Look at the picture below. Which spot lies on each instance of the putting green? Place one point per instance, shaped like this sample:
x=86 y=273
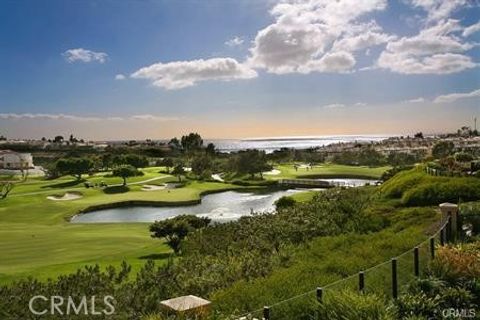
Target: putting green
x=325 y=170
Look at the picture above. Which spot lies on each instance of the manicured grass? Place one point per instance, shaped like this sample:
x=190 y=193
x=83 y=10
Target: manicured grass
x=327 y=170
x=36 y=238
x=304 y=196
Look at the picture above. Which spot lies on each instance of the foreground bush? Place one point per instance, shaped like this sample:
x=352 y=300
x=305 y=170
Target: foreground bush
x=457 y=263
x=351 y=305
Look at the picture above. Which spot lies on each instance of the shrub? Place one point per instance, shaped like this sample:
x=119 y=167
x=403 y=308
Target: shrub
x=285 y=202
x=351 y=305
x=452 y=190
x=470 y=215
x=419 y=304
x=457 y=263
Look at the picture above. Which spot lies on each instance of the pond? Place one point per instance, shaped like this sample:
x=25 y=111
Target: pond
x=220 y=207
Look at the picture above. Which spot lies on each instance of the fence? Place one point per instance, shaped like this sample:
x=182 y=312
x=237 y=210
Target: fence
x=386 y=278
x=443 y=173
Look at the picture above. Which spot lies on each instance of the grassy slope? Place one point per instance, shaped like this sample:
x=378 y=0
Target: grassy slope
x=36 y=239
x=315 y=266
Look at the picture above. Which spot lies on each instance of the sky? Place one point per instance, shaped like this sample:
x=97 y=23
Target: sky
x=112 y=70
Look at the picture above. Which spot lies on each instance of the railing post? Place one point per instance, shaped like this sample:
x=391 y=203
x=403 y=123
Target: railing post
x=432 y=248
x=416 y=262
x=448 y=230
x=266 y=313
x=361 y=281
x=319 y=294
x=442 y=237
x=394 y=279
x=451 y=210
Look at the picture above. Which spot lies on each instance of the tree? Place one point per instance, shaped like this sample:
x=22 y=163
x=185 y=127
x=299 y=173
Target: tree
x=5 y=189
x=442 y=149
x=167 y=163
x=178 y=171
x=135 y=161
x=174 y=143
x=252 y=162
x=418 y=135
x=176 y=229
x=463 y=157
x=210 y=149
x=58 y=139
x=106 y=160
x=201 y=164
x=193 y=141
x=74 y=166
x=124 y=172
x=72 y=139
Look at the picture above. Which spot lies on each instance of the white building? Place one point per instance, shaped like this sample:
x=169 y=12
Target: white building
x=15 y=160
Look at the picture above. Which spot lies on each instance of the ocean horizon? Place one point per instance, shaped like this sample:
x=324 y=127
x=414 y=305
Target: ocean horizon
x=270 y=144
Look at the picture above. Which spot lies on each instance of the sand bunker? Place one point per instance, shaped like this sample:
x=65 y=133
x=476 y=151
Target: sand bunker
x=217 y=177
x=273 y=172
x=65 y=197
x=152 y=187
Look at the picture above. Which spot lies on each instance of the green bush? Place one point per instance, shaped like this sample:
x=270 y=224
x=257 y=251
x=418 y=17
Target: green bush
x=285 y=202
x=433 y=193
x=351 y=305
x=419 y=304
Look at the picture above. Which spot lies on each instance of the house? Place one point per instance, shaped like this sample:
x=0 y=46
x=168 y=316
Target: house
x=15 y=160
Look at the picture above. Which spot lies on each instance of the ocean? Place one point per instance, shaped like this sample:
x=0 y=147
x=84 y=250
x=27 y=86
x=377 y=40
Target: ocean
x=271 y=144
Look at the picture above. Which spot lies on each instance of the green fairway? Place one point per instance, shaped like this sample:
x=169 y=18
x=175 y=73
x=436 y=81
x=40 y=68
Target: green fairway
x=326 y=170
x=36 y=238
x=304 y=196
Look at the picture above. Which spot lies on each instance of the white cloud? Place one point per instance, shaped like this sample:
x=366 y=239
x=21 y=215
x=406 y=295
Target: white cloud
x=415 y=100
x=435 y=50
x=334 y=106
x=84 y=55
x=360 y=104
x=341 y=105
x=362 y=36
x=448 y=98
x=468 y=31
x=61 y=116
x=438 y=9
x=120 y=77
x=152 y=117
x=339 y=62
x=234 y=42
x=181 y=74
x=301 y=38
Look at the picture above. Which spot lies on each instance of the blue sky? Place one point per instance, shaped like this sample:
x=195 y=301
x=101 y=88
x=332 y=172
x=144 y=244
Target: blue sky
x=156 y=69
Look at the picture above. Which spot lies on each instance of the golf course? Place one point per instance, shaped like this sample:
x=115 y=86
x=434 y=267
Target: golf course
x=37 y=239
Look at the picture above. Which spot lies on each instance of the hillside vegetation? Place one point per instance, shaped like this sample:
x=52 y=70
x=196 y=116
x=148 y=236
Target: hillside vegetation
x=417 y=188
